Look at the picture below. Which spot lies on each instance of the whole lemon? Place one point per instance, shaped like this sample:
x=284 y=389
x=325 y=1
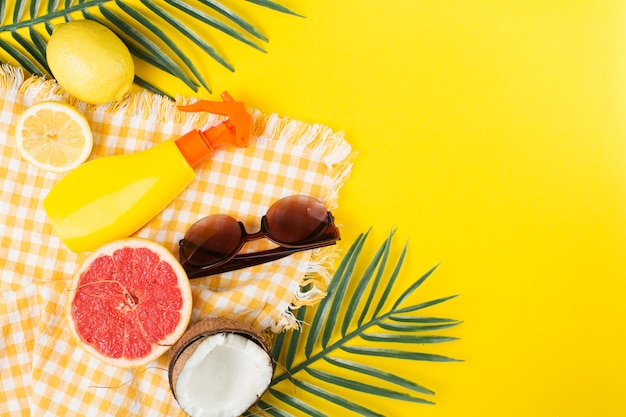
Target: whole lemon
x=90 y=61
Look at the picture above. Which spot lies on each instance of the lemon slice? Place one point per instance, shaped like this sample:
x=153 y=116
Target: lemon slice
x=53 y=136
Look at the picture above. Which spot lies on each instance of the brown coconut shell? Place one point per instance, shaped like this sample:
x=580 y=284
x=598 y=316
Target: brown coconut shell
x=197 y=332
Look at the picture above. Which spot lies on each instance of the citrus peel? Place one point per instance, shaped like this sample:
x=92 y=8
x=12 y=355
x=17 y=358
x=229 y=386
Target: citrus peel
x=90 y=61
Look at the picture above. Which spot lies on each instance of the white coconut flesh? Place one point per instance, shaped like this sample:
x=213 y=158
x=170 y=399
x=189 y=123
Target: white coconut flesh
x=223 y=377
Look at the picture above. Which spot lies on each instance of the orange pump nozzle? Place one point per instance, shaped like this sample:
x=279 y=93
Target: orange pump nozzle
x=197 y=145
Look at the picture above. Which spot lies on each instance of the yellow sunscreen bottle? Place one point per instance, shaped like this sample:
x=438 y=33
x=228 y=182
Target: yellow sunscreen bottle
x=112 y=197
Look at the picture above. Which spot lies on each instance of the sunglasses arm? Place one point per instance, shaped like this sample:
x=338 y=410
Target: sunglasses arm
x=247 y=260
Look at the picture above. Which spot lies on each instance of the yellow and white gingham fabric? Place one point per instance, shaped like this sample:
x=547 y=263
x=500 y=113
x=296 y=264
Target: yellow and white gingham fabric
x=43 y=371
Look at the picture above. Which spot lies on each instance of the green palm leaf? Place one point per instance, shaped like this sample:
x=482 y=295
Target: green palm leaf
x=147 y=27
x=355 y=323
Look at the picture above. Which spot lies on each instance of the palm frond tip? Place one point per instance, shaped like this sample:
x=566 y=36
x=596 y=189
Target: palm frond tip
x=25 y=29
x=354 y=324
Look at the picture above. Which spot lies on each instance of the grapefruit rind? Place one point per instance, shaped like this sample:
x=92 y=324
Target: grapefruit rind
x=158 y=347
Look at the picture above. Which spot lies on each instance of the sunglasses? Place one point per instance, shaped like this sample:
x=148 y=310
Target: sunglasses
x=296 y=223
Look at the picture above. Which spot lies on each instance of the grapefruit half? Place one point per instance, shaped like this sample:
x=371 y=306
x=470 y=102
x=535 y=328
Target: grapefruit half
x=129 y=302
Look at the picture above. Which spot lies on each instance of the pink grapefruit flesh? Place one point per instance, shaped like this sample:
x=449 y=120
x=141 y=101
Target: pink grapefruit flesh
x=130 y=302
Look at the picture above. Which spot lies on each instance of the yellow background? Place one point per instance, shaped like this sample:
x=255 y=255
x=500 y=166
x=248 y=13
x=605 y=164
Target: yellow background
x=492 y=134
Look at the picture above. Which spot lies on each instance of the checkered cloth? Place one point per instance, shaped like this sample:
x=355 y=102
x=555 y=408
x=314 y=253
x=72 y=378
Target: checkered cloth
x=43 y=370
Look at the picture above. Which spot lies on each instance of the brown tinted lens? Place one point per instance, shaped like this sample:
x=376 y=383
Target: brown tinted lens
x=296 y=219
x=211 y=240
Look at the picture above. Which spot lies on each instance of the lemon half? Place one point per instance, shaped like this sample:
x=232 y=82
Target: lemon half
x=53 y=136
x=90 y=61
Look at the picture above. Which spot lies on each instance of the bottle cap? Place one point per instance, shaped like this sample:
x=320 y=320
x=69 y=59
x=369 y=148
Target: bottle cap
x=236 y=130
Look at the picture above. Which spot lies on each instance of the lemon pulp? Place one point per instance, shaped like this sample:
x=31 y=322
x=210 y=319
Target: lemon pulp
x=53 y=136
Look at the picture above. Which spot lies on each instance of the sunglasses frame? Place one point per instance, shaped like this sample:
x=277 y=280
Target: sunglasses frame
x=234 y=260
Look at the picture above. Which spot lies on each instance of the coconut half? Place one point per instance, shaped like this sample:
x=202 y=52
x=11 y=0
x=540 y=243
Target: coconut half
x=219 y=367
